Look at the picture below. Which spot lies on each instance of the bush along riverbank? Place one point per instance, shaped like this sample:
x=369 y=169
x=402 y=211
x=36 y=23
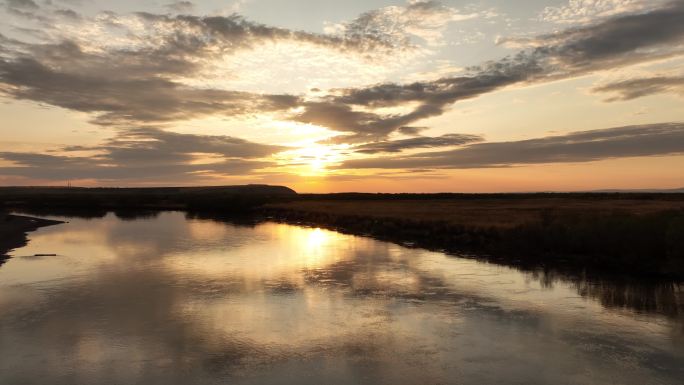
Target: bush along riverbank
x=648 y=244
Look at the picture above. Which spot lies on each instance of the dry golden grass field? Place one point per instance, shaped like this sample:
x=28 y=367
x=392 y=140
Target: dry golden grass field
x=502 y=213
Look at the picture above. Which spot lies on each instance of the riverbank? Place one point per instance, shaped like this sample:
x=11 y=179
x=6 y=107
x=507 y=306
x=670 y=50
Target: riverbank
x=634 y=233
x=625 y=235
x=14 y=229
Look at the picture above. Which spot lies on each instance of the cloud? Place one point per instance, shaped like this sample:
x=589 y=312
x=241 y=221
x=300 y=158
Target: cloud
x=136 y=73
x=145 y=153
x=612 y=43
x=583 y=11
x=188 y=34
x=21 y=4
x=136 y=68
x=147 y=44
x=583 y=146
x=620 y=40
x=148 y=144
x=27 y=9
x=617 y=41
x=411 y=130
x=419 y=142
x=637 y=88
x=180 y=6
x=336 y=112
x=227 y=33
x=60 y=168
x=130 y=99
x=395 y=25
x=485 y=78
x=68 y=14
x=363 y=126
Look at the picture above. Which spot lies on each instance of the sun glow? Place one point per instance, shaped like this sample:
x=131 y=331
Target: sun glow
x=313 y=159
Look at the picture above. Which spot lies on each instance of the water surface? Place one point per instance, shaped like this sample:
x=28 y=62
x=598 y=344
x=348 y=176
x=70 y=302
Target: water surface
x=173 y=300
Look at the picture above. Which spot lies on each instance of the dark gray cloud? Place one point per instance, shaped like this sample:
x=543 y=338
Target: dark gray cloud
x=619 y=39
x=144 y=153
x=337 y=112
x=637 y=88
x=125 y=100
x=584 y=146
x=486 y=78
x=148 y=144
x=366 y=126
x=59 y=168
x=411 y=130
x=418 y=142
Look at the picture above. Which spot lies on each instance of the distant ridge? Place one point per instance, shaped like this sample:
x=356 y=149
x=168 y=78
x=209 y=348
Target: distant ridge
x=664 y=191
x=223 y=199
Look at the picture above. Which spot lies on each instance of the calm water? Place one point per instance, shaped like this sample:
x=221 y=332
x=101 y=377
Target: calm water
x=170 y=300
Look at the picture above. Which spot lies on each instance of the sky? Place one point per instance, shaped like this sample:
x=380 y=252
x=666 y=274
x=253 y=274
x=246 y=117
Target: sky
x=331 y=96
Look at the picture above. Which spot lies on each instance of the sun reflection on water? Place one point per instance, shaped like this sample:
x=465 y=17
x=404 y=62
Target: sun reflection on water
x=225 y=302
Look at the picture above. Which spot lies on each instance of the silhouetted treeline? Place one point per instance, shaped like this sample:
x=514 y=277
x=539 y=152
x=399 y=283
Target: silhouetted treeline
x=218 y=199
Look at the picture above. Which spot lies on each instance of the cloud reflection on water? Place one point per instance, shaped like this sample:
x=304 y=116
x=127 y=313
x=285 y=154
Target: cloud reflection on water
x=176 y=300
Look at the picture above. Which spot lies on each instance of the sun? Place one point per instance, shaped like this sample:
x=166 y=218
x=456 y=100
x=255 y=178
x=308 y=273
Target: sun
x=319 y=157
x=312 y=159
x=315 y=159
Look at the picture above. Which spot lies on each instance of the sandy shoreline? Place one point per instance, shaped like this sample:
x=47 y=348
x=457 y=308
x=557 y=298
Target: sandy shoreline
x=14 y=229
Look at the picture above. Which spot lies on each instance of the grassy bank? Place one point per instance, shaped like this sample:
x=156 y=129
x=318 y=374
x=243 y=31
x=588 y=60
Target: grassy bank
x=13 y=230
x=637 y=234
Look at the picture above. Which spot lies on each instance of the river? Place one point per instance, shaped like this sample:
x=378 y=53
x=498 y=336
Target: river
x=174 y=299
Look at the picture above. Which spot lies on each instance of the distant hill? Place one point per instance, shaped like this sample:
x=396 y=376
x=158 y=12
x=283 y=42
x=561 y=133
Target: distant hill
x=259 y=189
